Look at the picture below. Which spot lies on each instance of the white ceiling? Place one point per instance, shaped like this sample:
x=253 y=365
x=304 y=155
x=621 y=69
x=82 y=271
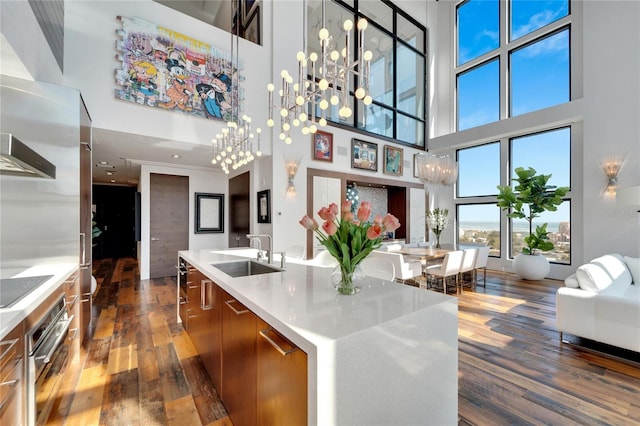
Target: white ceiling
x=124 y=153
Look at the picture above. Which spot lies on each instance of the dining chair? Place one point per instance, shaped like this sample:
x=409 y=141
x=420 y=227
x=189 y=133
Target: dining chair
x=468 y=265
x=481 y=263
x=379 y=268
x=295 y=252
x=450 y=267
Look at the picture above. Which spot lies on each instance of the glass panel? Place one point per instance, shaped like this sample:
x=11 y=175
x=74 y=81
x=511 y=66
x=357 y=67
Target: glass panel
x=410 y=82
x=540 y=74
x=479 y=170
x=381 y=77
x=478 y=29
x=479 y=96
x=529 y=15
x=335 y=15
x=410 y=130
x=547 y=152
x=378 y=12
x=558 y=227
x=376 y=119
x=410 y=33
x=480 y=224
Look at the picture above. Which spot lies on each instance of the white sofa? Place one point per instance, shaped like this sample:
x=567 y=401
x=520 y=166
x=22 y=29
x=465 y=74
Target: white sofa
x=601 y=302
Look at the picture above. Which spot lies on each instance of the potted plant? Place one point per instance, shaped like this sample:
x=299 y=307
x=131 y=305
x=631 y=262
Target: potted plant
x=531 y=197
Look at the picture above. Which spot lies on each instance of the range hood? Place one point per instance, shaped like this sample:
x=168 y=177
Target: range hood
x=18 y=159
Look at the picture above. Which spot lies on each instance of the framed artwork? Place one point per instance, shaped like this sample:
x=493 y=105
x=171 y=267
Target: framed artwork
x=252 y=27
x=322 y=146
x=364 y=155
x=209 y=213
x=264 y=206
x=415 y=166
x=248 y=7
x=393 y=158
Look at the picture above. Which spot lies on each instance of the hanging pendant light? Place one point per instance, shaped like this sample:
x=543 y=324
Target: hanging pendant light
x=236 y=144
x=321 y=81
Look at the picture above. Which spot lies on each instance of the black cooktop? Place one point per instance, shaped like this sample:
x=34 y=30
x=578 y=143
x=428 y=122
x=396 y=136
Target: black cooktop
x=14 y=289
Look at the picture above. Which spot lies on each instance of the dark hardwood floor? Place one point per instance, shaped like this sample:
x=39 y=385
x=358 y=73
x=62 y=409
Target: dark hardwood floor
x=140 y=368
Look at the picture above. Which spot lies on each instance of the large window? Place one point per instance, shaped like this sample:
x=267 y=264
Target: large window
x=397 y=72
x=498 y=77
x=512 y=58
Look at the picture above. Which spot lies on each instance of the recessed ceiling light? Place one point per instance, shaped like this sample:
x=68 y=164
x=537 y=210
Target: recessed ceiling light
x=103 y=162
x=110 y=173
x=113 y=181
x=176 y=156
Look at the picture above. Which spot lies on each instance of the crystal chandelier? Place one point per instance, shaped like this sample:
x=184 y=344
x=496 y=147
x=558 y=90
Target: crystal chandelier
x=234 y=146
x=321 y=81
x=436 y=172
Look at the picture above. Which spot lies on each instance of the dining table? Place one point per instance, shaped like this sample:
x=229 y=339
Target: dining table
x=424 y=253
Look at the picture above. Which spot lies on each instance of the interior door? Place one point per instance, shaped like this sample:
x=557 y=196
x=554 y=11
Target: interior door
x=169 y=222
x=239 y=210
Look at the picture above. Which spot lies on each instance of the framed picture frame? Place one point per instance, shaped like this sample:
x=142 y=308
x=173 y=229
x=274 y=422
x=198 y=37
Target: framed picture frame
x=209 y=213
x=393 y=158
x=322 y=146
x=415 y=166
x=248 y=8
x=364 y=155
x=252 y=27
x=264 y=206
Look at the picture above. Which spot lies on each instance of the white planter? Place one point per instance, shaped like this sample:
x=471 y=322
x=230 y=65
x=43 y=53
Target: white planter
x=531 y=267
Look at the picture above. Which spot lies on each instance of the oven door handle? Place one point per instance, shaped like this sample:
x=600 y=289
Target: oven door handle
x=58 y=342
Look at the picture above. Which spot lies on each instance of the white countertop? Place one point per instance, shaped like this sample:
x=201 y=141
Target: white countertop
x=11 y=316
x=302 y=299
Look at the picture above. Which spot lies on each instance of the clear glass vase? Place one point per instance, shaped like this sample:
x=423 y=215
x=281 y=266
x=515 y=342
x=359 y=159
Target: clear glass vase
x=347 y=282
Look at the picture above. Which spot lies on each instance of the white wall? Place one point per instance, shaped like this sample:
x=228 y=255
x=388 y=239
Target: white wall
x=90 y=64
x=199 y=181
x=605 y=113
x=31 y=56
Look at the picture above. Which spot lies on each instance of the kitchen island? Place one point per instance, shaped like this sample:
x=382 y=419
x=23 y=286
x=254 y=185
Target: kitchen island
x=388 y=355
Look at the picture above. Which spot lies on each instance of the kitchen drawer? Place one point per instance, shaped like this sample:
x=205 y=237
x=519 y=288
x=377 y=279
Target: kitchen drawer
x=12 y=378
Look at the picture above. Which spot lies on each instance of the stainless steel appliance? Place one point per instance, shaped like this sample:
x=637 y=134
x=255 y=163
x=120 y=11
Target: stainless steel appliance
x=14 y=289
x=182 y=290
x=48 y=355
x=18 y=159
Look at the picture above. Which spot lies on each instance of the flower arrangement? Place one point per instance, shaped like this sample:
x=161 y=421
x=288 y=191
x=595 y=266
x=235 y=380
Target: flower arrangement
x=437 y=222
x=348 y=238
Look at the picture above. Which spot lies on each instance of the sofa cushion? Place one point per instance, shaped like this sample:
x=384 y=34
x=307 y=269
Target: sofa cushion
x=571 y=281
x=633 y=264
x=592 y=277
x=615 y=267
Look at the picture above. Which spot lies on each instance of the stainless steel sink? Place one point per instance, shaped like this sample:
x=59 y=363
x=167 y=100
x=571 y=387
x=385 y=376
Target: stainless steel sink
x=244 y=268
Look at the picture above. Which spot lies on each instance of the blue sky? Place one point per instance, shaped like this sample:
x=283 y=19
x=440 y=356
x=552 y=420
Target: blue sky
x=539 y=75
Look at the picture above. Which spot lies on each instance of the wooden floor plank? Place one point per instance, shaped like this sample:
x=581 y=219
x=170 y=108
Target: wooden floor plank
x=513 y=369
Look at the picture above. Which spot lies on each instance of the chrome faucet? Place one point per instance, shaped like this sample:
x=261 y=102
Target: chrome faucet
x=257 y=237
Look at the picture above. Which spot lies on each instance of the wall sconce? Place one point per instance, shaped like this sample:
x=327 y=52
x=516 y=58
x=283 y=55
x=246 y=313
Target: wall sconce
x=292 y=169
x=611 y=167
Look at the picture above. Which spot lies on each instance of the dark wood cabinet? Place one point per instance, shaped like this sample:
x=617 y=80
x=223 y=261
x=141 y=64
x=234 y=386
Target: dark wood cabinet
x=12 y=378
x=281 y=379
x=239 y=362
x=260 y=376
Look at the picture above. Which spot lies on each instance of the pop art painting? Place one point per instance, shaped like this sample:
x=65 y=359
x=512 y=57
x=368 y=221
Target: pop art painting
x=164 y=69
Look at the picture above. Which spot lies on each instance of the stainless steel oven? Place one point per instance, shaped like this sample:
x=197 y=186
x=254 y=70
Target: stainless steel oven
x=48 y=355
x=182 y=290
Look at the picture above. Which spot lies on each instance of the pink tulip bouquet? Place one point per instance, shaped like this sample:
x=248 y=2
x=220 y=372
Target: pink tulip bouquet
x=347 y=238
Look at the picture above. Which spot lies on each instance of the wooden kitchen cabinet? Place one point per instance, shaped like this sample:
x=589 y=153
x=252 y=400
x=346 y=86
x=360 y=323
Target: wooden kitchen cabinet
x=13 y=378
x=281 y=379
x=239 y=362
x=71 y=288
x=210 y=322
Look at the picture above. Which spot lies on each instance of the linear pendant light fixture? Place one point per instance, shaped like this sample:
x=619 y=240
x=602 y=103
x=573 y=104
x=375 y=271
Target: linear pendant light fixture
x=322 y=81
